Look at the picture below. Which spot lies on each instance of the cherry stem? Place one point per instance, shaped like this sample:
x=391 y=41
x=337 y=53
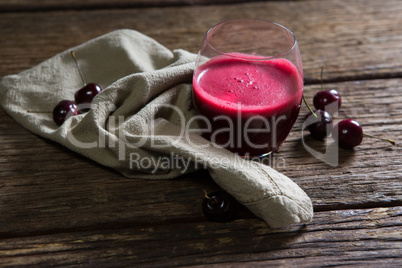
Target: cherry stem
x=213 y=200
x=206 y=195
x=79 y=70
x=378 y=138
x=322 y=83
x=322 y=88
x=308 y=106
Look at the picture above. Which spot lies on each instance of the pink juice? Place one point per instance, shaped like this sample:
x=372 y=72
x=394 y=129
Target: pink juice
x=250 y=105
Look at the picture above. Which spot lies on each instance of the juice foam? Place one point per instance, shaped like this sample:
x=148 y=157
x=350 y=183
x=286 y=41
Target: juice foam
x=239 y=87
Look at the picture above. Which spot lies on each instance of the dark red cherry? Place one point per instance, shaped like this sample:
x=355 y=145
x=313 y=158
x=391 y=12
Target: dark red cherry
x=64 y=110
x=320 y=126
x=85 y=95
x=348 y=133
x=327 y=100
x=219 y=206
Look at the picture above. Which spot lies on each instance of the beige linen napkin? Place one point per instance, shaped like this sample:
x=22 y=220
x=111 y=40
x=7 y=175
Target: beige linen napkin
x=141 y=124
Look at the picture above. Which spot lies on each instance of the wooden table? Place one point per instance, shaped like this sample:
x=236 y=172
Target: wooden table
x=59 y=208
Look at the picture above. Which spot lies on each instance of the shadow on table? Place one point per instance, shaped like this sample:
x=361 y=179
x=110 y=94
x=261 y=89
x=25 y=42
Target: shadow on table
x=326 y=151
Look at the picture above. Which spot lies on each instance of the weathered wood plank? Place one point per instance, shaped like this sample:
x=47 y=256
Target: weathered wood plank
x=364 y=238
x=354 y=40
x=58 y=208
x=360 y=172
x=46 y=188
x=27 y=5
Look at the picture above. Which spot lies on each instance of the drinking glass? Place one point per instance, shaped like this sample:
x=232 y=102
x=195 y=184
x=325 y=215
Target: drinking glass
x=248 y=85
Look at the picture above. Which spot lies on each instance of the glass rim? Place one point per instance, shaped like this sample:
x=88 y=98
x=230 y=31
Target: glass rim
x=259 y=58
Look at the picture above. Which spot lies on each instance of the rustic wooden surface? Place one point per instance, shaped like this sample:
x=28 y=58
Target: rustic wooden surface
x=24 y=5
x=58 y=208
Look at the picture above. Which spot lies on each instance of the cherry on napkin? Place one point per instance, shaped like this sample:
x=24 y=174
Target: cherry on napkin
x=141 y=123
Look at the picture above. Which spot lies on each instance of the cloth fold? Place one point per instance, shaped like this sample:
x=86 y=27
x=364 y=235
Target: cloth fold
x=142 y=123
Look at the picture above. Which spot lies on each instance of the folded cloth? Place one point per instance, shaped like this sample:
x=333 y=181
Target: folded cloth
x=142 y=124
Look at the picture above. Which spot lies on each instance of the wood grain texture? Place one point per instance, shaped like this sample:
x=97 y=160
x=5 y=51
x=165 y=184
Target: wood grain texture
x=27 y=5
x=355 y=238
x=47 y=187
x=355 y=41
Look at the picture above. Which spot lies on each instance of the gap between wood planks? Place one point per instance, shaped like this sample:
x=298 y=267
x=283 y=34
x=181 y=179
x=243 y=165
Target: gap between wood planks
x=102 y=5
x=314 y=81
x=115 y=225
x=368 y=205
x=191 y=220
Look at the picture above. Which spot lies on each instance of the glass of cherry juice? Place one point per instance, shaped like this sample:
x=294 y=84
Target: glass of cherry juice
x=248 y=85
